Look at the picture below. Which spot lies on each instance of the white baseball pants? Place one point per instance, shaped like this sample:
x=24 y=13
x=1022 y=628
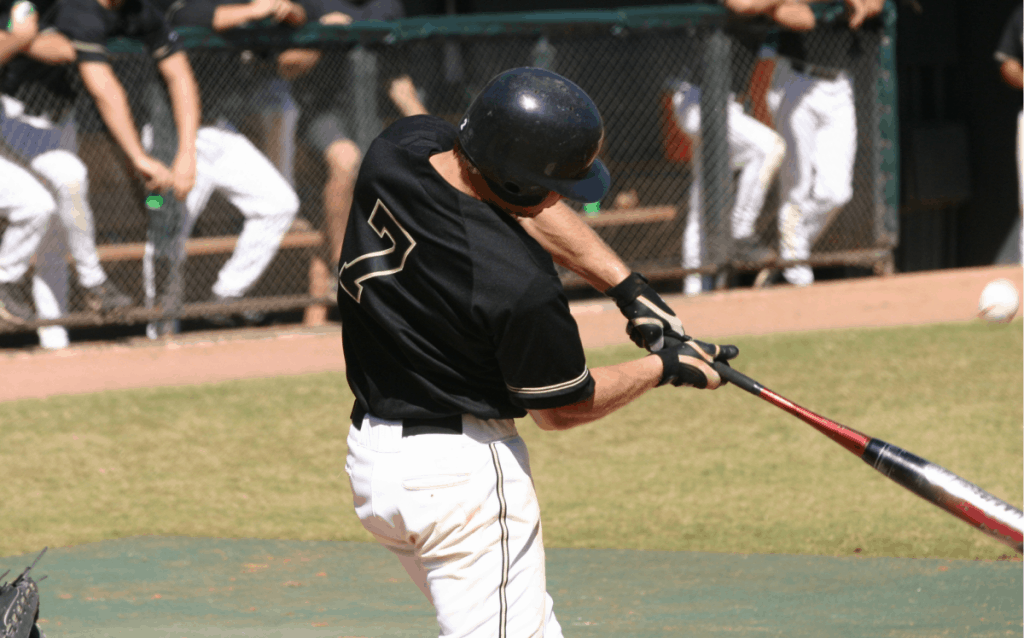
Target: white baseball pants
x=461 y=514
x=755 y=150
x=228 y=162
x=818 y=120
x=1020 y=180
x=28 y=206
x=70 y=230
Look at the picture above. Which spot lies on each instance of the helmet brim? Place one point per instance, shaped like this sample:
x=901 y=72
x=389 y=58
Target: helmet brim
x=592 y=187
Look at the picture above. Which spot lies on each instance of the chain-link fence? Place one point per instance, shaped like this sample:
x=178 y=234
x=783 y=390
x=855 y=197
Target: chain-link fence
x=703 y=142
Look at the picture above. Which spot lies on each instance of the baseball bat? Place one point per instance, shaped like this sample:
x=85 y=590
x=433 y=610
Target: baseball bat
x=935 y=484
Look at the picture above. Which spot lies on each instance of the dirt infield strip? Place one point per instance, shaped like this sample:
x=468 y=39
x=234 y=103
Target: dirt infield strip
x=950 y=295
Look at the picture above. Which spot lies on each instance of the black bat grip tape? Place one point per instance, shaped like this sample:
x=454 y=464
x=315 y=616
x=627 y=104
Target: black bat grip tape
x=737 y=378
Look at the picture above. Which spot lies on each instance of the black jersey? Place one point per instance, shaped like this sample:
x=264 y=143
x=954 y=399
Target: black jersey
x=1011 y=43
x=43 y=89
x=228 y=86
x=89 y=26
x=447 y=305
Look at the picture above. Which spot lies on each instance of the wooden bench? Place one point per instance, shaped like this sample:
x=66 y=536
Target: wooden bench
x=301 y=235
x=624 y=216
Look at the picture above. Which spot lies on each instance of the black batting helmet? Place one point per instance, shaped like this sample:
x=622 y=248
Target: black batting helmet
x=530 y=132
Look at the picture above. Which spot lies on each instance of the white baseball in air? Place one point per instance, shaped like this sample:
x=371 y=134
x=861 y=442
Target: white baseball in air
x=999 y=301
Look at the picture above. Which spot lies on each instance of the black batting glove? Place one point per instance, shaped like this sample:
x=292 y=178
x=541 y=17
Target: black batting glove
x=649 y=319
x=689 y=363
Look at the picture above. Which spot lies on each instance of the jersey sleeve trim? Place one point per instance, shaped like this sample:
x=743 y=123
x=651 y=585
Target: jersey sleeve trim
x=557 y=388
x=90 y=51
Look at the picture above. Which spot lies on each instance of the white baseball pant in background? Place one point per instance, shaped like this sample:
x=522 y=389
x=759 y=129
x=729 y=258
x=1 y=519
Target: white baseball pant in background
x=461 y=514
x=70 y=230
x=818 y=121
x=1020 y=180
x=228 y=162
x=28 y=206
x=755 y=150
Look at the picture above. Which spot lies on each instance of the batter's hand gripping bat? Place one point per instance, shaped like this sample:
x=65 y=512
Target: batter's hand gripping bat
x=935 y=484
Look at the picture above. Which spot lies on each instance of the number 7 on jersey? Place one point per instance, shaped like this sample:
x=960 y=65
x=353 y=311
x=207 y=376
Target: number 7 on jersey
x=396 y=242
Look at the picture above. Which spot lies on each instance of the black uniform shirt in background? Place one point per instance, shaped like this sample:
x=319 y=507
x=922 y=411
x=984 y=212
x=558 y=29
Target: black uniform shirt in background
x=1010 y=43
x=42 y=88
x=447 y=305
x=89 y=26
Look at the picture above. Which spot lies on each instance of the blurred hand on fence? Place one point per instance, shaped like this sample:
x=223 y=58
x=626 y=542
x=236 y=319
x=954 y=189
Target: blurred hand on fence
x=155 y=174
x=290 y=13
x=861 y=10
x=336 y=17
x=264 y=9
x=795 y=16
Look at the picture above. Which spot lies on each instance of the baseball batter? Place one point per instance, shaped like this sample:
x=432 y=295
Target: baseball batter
x=455 y=323
x=226 y=161
x=40 y=134
x=1010 y=55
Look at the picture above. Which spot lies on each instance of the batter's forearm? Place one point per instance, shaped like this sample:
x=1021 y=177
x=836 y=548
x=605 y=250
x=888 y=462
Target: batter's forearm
x=574 y=245
x=614 y=387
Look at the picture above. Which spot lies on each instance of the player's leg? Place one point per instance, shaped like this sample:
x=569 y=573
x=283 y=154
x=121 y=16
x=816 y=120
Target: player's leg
x=1020 y=180
x=269 y=204
x=50 y=285
x=280 y=121
x=195 y=203
x=68 y=177
x=756 y=151
x=686 y=108
x=835 y=148
x=28 y=206
x=469 y=533
x=693 y=241
x=329 y=134
x=796 y=123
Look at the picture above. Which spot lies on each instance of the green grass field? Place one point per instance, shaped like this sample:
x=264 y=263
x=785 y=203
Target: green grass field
x=678 y=470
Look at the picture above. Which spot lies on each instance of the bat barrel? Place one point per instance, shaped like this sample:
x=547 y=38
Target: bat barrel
x=959 y=497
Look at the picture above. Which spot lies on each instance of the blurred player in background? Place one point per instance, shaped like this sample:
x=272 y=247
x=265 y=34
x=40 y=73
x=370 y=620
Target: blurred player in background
x=755 y=150
x=227 y=161
x=24 y=201
x=812 y=102
x=77 y=31
x=340 y=123
x=1009 y=54
x=38 y=129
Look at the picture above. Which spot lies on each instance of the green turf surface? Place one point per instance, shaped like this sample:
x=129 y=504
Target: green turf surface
x=189 y=588
x=678 y=470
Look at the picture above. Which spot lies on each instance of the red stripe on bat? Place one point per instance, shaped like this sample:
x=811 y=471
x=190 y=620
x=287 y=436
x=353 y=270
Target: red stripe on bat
x=978 y=518
x=849 y=438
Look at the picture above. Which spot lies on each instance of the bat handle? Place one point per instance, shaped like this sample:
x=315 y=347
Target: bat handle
x=737 y=378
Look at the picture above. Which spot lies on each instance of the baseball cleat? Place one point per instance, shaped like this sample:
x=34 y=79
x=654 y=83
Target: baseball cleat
x=747 y=251
x=106 y=299
x=12 y=309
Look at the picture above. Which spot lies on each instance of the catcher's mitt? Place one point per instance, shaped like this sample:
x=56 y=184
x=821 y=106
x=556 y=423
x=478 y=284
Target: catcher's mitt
x=19 y=605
